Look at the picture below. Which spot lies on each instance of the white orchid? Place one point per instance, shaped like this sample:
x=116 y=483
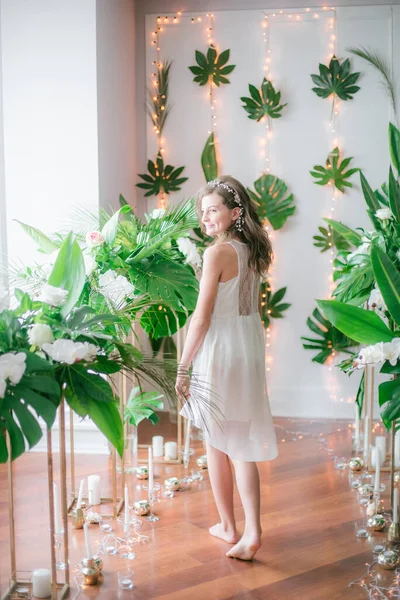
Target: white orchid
x=189 y=249
x=377 y=353
x=40 y=334
x=12 y=367
x=3 y=387
x=54 y=296
x=392 y=351
x=70 y=352
x=115 y=287
x=376 y=300
x=384 y=214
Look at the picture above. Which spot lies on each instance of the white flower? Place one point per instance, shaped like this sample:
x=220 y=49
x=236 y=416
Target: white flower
x=53 y=295
x=70 y=352
x=376 y=300
x=3 y=386
x=94 y=238
x=3 y=299
x=392 y=351
x=12 y=366
x=398 y=254
x=157 y=213
x=40 y=334
x=189 y=249
x=115 y=287
x=362 y=249
x=383 y=213
x=90 y=264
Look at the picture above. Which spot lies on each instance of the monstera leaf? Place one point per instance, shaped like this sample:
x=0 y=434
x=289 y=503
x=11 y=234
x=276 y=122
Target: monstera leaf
x=336 y=80
x=330 y=238
x=209 y=159
x=37 y=392
x=160 y=321
x=211 y=68
x=142 y=405
x=334 y=171
x=273 y=204
x=161 y=178
x=272 y=306
x=329 y=338
x=263 y=103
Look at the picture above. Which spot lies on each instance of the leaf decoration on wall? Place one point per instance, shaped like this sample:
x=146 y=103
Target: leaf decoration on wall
x=336 y=80
x=161 y=178
x=212 y=67
x=157 y=98
x=329 y=239
x=328 y=340
x=263 y=102
x=334 y=172
x=271 y=199
x=272 y=306
x=209 y=159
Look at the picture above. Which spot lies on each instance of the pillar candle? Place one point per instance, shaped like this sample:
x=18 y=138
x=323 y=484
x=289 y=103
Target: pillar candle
x=380 y=443
x=357 y=428
x=366 y=438
x=187 y=438
x=158 y=445
x=377 y=469
x=171 y=450
x=94 y=489
x=57 y=510
x=151 y=477
x=87 y=540
x=41 y=583
x=395 y=505
x=79 y=501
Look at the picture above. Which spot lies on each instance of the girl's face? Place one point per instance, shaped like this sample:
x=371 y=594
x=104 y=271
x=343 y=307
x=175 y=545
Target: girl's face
x=215 y=215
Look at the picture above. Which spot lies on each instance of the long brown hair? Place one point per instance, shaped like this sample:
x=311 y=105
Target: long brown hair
x=253 y=233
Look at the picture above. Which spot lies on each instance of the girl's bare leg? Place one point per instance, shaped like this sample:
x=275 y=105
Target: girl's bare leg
x=221 y=478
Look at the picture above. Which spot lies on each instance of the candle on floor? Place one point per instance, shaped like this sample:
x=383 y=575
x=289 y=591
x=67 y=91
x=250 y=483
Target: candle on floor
x=94 y=489
x=187 y=438
x=171 y=450
x=57 y=510
x=41 y=583
x=380 y=443
x=158 y=445
x=80 y=495
x=151 y=476
x=377 y=470
x=87 y=540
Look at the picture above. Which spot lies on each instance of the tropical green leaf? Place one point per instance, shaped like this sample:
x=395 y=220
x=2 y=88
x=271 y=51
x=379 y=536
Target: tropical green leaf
x=360 y=394
x=160 y=321
x=162 y=178
x=364 y=326
x=349 y=234
x=329 y=238
x=388 y=279
x=265 y=102
x=335 y=80
x=394 y=195
x=211 y=68
x=157 y=98
x=209 y=159
x=271 y=199
x=334 y=172
x=142 y=405
x=272 y=306
x=389 y=398
x=394 y=146
x=109 y=231
x=69 y=272
x=44 y=242
x=329 y=339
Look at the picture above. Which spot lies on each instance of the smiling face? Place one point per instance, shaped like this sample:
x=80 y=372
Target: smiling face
x=215 y=215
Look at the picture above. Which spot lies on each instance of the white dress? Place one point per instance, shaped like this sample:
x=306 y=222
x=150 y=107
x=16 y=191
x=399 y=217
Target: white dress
x=231 y=365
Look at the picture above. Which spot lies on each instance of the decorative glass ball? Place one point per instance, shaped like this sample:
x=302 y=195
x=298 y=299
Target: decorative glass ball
x=202 y=461
x=356 y=463
x=388 y=559
x=376 y=522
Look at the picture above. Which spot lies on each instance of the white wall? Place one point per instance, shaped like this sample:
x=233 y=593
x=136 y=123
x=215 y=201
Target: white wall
x=301 y=139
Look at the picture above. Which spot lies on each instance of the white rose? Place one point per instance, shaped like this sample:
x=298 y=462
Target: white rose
x=90 y=264
x=383 y=213
x=70 y=352
x=40 y=334
x=115 y=287
x=362 y=249
x=3 y=386
x=107 y=277
x=189 y=249
x=53 y=295
x=391 y=351
x=376 y=300
x=94 y=238
x=157 y=213
x=12 y=366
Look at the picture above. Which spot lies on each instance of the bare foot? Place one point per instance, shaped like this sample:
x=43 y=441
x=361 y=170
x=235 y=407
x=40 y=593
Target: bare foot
x=228 y=535
x=245 y=549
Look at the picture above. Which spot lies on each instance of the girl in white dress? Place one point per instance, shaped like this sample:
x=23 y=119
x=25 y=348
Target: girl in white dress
x=225 y=342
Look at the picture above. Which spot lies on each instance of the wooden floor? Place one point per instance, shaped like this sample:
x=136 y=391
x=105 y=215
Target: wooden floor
x=309 y=548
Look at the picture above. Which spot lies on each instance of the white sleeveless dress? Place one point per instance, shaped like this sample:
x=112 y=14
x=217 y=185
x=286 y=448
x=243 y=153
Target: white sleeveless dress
x=231 y=363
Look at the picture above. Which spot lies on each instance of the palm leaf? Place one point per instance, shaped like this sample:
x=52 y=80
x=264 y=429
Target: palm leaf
x=161 y=178
x=211 y=68
x=271 y=199
x=348 y=234
x=335 y=80
x=264 y=102
x=209 y=159
x=334 y=172
x=272 y=306
x=157 y=98
x=44 y=243
x=329 y=238
x=329 y=339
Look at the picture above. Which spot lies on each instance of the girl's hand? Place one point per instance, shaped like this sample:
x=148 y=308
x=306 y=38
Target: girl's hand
x=182 y=384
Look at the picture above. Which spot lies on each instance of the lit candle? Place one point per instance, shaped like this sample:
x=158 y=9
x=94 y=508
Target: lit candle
x=79 y=501
x=158 y=445
x=366 y=439
x=94 y=489
x=357 y=428
x=57 y=511
x=171 y=450
x=187 y=438
x=380 y=443
x=377 y=469
x=126 y=522
x=87 y=540
x=151 y=477
x=395 y=505
x=41 y=583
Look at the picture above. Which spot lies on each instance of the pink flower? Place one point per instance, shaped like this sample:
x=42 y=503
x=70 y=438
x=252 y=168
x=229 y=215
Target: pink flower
x=94 y=238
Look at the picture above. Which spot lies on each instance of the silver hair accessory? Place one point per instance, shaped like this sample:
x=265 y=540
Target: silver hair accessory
x=240 y=220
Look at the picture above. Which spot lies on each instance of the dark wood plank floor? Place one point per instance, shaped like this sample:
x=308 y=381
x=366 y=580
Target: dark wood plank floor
x=309 y=548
